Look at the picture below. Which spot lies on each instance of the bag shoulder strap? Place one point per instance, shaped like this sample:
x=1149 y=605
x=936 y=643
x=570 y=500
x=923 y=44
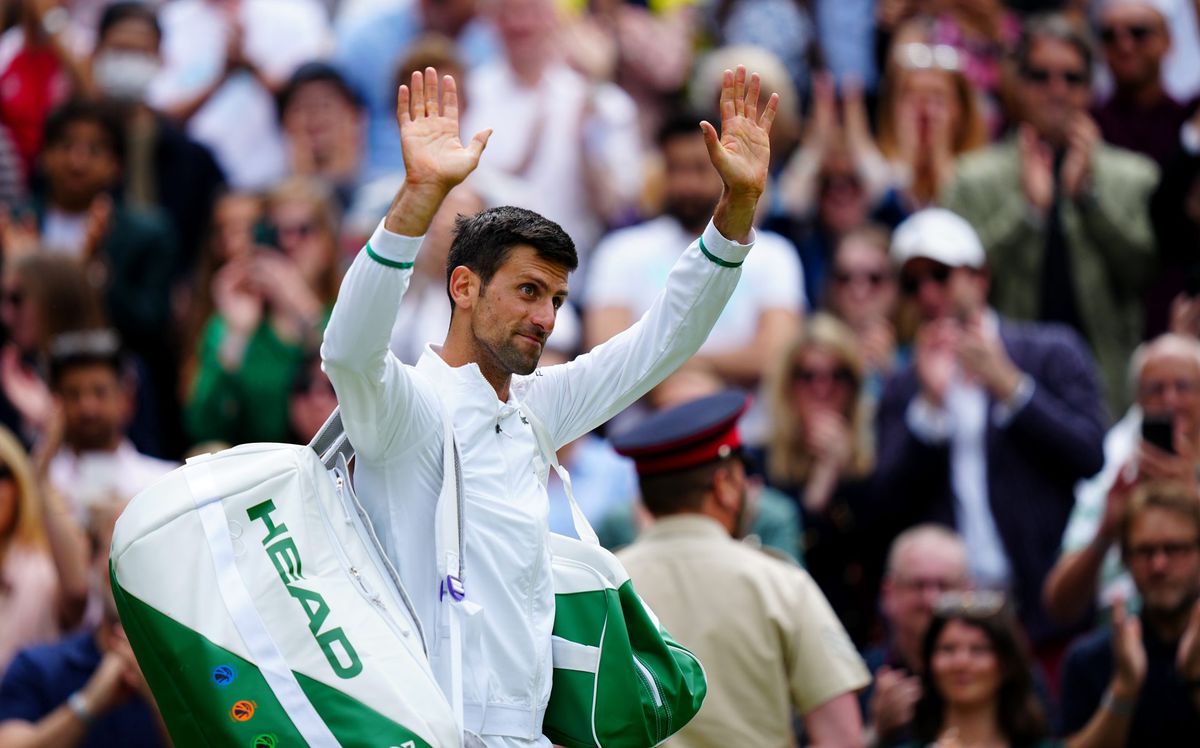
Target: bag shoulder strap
x=331 y=441
x=583 y=528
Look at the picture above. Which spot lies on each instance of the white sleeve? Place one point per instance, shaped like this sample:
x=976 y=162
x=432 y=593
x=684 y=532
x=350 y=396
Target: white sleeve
x=384 y=409
x=576 y=397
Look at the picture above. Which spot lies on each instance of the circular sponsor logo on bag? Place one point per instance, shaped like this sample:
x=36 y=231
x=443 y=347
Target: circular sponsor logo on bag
x=266 y=740
x=242 y=711
x=223 y=675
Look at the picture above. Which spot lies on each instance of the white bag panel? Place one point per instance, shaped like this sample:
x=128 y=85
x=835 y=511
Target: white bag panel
x=161 y=523
x=569 y=554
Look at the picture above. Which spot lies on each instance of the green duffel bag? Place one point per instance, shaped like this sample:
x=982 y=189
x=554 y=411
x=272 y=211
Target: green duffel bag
x=620 y=680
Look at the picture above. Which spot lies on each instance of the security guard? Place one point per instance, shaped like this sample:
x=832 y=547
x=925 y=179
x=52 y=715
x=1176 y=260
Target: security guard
x=768 y=639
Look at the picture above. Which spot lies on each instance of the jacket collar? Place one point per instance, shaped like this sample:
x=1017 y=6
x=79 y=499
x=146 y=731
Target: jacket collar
x=686 y=525
x=463 y=385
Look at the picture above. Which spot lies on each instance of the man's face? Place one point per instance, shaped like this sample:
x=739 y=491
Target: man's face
x=1163 y=556
x=942 y=292
x=80 y=165
x=526 y=28
x=317 y=113
x=515 y=311
x=693 y=186
x=447 y=16
x=1135 y=41
x=1054 y=88
x=925 y=570
x=95 y=406
x=1170 y=384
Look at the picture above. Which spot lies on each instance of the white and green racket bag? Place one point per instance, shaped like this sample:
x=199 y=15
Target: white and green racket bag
x=262 y=611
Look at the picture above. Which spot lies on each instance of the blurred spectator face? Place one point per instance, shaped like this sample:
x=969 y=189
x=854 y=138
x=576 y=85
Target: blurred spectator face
x=1135 y=41
x=842 y=203
x=435 y=250
x=1170 y=384
x=19 y=313
x=526 y=28
x=1054 y=87
x=940 y=291
x=80 y=165
x=923 y=570
x=863 y=285
x=311 y=402
x=447 y=16
x=318 y=111
x=964 y=665
x=303 y=237
x=127 y=60
x=932 y=95
x=820 y=380
x=1162 y=552
x=693 y=186
x=234 y=219
x=96 y=407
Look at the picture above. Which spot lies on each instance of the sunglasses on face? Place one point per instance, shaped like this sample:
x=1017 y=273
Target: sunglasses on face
x=910 y=283
x=806 y=376
x=1043 y=76
x=874 y=277
x=1136 y=32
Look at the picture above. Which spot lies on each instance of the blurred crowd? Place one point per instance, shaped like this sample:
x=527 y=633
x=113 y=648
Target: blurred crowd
x=969 y=322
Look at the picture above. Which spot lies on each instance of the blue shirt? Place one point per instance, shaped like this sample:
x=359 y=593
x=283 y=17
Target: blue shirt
x=40 y=679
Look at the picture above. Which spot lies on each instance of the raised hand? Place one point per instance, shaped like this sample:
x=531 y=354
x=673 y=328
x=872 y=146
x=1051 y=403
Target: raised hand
x=1187 y=657
x=435 y=159
x=433 y=152
x=1037 y=169
x=742 y=151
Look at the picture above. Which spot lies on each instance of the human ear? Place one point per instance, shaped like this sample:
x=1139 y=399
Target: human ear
x=464 y=287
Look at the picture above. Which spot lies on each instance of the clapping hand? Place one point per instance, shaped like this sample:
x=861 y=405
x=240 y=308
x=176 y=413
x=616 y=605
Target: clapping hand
x=741 y=152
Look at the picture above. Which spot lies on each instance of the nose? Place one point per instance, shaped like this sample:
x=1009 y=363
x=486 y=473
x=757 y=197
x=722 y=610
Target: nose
x=544 y=315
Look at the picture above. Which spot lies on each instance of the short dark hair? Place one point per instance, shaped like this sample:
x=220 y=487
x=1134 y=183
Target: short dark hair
x=1055 y=27
x=82 y=348
x=483 y=241
x=98 y=113
x=1021 y=718
x=682 y=490
x=128 y=10
x=679 y=123
x=316 y=72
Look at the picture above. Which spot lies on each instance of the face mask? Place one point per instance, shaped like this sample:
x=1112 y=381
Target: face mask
x=125 y=76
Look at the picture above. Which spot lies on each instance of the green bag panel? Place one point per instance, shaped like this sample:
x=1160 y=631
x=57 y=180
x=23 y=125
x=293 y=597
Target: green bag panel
x=646 y=687
x=219 y=698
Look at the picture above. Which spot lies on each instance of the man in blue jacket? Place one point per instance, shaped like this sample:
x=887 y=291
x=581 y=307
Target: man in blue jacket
x=991 y=426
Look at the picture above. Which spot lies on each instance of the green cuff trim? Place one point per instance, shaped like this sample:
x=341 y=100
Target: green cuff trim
x=709 y=255
x=386 y=262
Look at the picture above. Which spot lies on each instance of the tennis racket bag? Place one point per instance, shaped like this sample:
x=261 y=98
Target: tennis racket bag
x=263 y=612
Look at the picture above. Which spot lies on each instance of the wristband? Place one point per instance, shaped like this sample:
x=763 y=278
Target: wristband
x=78 y=705
x=1118 y=705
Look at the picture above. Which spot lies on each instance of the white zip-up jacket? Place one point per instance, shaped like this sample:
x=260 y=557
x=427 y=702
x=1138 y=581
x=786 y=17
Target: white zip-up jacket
x=391 y=415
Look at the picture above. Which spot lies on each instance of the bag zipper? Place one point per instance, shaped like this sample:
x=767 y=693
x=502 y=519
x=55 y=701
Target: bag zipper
x=351 y=570
x=383 y=565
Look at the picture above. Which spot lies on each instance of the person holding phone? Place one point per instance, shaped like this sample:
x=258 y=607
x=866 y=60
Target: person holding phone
x=991 y=426
x=1157 y=440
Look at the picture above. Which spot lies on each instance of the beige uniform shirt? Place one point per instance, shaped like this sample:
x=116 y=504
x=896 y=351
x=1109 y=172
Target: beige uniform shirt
x=767 y=638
